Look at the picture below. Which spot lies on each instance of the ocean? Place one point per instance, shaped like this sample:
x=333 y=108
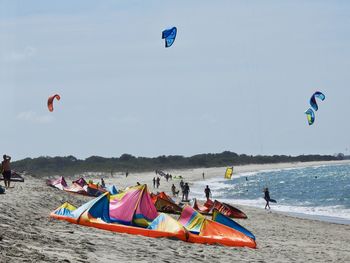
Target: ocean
x=320 y=192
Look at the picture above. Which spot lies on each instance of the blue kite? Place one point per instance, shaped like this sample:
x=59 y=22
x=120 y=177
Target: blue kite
x=169 y=35
x=313 y=102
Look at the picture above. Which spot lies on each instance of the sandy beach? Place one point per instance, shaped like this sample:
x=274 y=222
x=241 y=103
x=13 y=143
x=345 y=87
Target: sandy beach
x=27 y=234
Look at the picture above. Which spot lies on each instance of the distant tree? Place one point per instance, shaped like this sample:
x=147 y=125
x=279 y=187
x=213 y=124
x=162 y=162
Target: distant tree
x=126 y=157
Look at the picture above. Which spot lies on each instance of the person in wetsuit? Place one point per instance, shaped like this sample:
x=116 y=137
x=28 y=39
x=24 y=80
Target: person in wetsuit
x=267 y=197
x=207 y=192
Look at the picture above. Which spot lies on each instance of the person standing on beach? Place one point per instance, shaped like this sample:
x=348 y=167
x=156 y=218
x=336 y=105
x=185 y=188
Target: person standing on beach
x=203 y=175
x=173 y=189
x=6 y=170
x=267 y=197
x=158 y=182
x=154 y=182
x=182 y=185
x=185 y=192
x=126 y=174
x=103 y=183
x=207 y=192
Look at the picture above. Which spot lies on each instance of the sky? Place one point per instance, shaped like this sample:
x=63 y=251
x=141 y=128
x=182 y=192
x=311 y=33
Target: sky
x=238 y=77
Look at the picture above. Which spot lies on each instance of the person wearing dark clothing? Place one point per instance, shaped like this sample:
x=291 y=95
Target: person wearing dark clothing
x=6 y=170
x=185 y=192
x=173 y=190
x=267 y=197
x=182 y=185
x=158 y=182
x=203 y=175
x=154 y=182
x=103 y=183
x=126 y=174
x=207 y=192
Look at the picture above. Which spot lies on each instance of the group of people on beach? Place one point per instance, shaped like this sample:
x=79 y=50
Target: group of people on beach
x=156 y=182
x=185 y=189
x=184 y=186
x=167 y=176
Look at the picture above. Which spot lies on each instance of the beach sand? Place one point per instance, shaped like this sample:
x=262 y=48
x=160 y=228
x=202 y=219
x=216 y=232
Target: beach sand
x=27 y=234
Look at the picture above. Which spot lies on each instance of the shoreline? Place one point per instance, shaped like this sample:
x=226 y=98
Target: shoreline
x=249 y=170
x=321 y=218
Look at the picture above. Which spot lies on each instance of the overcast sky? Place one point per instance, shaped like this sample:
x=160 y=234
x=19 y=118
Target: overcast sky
x=238 y=77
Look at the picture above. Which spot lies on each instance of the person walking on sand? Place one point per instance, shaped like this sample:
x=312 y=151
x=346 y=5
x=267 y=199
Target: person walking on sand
x=158 y=182
x=207 y=192
x=267 y=197
x=154 y=182
x=6 y=170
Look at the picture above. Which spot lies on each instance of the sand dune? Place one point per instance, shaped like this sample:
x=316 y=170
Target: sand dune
x=27 y=234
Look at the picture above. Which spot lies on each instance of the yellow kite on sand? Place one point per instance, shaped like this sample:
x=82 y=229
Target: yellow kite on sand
x=229 y=172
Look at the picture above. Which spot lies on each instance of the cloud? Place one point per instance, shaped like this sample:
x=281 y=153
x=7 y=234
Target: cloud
x=32 y=116
x=20 y=55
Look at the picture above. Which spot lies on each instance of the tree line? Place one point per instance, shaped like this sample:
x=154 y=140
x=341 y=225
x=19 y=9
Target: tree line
x=70 y=165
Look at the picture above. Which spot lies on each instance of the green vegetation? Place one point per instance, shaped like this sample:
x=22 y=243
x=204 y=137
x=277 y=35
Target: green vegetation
x=70 y=165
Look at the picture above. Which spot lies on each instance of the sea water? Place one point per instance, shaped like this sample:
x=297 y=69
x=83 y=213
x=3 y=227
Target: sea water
x=320 y=192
